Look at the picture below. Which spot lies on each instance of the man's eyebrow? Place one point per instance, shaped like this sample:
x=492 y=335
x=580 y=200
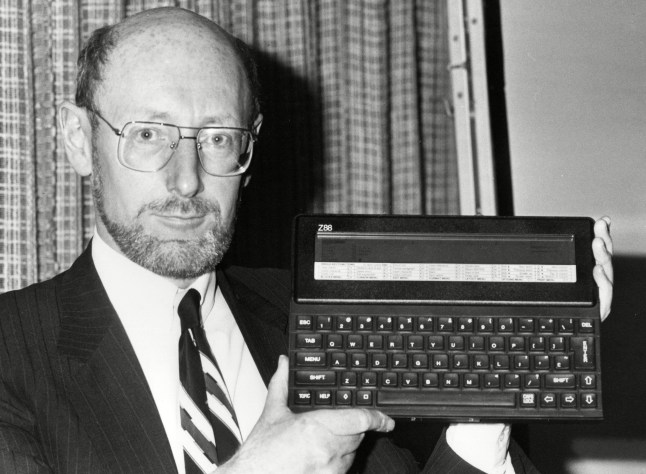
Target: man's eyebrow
x=165 y=117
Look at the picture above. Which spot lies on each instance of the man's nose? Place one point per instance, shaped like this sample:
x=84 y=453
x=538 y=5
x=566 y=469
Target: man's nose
x=184 y=171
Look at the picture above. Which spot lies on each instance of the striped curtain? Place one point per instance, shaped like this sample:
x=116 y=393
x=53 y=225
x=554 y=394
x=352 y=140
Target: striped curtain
x=354 y=95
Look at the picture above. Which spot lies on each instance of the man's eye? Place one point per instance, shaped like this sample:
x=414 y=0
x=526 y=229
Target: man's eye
x=147 y=134
x=219 y=140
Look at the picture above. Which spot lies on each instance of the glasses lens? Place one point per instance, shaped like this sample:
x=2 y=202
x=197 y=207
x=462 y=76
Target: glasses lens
x=147 y=146
x=225 y=152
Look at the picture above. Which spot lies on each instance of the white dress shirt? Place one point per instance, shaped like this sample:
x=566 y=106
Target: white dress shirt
x=147 y=307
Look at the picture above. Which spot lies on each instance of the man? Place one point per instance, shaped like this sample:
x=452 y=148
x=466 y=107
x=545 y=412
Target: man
x=89 y=361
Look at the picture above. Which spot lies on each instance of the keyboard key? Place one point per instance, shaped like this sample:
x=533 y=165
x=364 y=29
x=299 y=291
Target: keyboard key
x=323 y=397
x=424 y=324
x=517 y=344
x=568 y=400
x=586 y=326
x=315 y=377
x=460 y=361
x=501 y=362
x=384 y=323
x=491 y=381
x=525 y=324
x=335 y=341
x=359 y=360
x=349 y=379
x=557 y=344
x=588 y=381
x=537 y=344
x=485 y=324
x=343 y=397
x=395 y=342
x=528 y=400
x=369 y=379
x=379 y=361
x=338 y=359
x=584 y=352
x=324 y=323
x=497 y=343
x=430 y=380
x=560 y=381
x=409 y=379
x=548 y=400
x=344 y=323
x=562 y=362
x=309 y=341
x=415 y=343
x=566 y=326
x=450 y=380
x=364 y=323
x=541 y=362
x=588 y=400
x=532 y=381
x=546 y=325
x=505 y=325
x=436 y=343
x=456 y=343
x=404 y=323
x=375 y=342
x=310 y=359
x=389 y=379
x=465 y=325
x=445 y=398
x=420 y=361
x=445 y=324
x=302 y=397
x=440 y=361
x=480 y=362
x=365 y=397
x=476 y=343
x=304 y=323
x=512 y=380
x=354 y=341
x=471 y=381
x=398 y=361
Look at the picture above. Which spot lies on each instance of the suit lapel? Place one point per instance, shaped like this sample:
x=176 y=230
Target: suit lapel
x=262 y=323
x=106 y=385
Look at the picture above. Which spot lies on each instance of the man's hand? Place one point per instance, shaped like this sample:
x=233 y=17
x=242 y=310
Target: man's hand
x=603 y=272
x=317 y=441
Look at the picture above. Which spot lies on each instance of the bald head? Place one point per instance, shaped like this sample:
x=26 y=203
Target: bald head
x=166 y=34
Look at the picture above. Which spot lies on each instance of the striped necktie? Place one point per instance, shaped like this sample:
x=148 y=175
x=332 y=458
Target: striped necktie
x=210 y=433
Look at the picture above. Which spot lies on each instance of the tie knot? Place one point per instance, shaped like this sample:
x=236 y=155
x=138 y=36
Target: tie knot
x=189 y=309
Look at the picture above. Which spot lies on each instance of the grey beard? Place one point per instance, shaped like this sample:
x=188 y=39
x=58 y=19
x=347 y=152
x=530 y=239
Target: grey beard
x=178 y=258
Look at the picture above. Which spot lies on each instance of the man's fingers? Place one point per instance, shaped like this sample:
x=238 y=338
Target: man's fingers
x=605 y=291
x=354 y=421
x=602 y=231
x=277 y=389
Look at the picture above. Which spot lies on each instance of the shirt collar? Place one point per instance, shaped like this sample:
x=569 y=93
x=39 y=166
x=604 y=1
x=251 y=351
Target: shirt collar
x=131 y=282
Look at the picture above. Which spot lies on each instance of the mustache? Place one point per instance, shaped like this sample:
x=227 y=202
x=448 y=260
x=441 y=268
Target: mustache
x=177 y=205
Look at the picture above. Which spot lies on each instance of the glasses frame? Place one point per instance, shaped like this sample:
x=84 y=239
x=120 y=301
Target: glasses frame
x=119 y=133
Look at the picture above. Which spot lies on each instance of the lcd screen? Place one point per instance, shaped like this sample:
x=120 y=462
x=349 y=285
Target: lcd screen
x=507 y=258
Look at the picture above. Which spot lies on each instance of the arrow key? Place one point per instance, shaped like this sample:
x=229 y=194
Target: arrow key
x=588 y=400
x=568 y=400
x=548 y=400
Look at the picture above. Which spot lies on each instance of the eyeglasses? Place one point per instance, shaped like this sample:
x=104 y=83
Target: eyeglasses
x=149 y=146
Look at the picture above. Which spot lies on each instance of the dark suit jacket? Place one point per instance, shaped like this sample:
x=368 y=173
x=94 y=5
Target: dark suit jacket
x=73 y=397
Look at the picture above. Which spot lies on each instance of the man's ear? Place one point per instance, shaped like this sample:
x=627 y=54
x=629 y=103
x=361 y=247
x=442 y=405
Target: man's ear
x=77 y=137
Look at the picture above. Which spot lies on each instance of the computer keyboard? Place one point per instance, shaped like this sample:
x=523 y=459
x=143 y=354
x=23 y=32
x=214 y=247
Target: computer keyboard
x=439 y=364
x=449 y=318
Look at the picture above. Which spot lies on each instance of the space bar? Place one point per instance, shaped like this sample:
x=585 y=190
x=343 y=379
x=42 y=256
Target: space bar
x=394 y=398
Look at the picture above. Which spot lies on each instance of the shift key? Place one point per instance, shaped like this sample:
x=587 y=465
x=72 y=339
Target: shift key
x=584 y=352
x=315 y=377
